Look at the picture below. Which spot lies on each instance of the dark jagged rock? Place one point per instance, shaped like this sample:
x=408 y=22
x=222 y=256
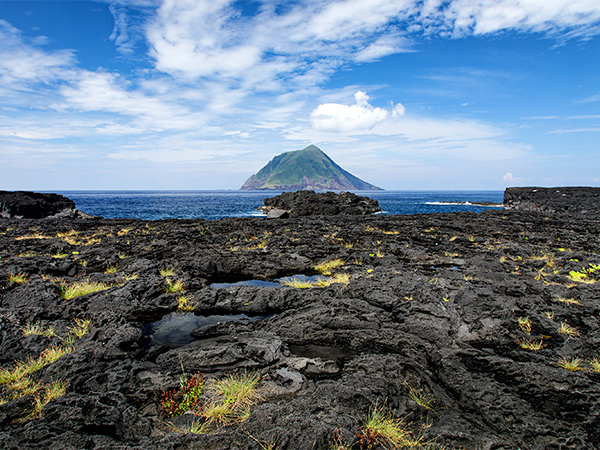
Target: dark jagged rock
x=430 y=326
x=572 y=199
x=310 y=203
x=35 y=205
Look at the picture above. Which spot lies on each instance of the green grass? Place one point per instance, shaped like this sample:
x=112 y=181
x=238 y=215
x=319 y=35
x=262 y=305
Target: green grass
x=174 y=286
x=167 y=272
x=36 y=329
x=534 y=345
x=60 y=254
x=81 y=328
x=382 y=428
x=525 y=324
x=567 y=329
x=111 y=269
x=50 y=392
x=595 y=365
x=68 y=291
x=343 y=278
x=573 y=364
x=326 y=267
x=184 y=303
x=31 y=365
x=18 y=278
x=233 y=398
x=420 y=398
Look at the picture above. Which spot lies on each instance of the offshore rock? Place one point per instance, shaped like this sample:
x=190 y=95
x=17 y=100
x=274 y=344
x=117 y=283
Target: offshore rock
x=572 y=199
x=34 y=205
x=310 y=203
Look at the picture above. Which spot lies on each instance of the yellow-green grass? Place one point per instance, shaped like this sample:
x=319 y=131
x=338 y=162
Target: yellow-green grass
x=525 y=324
x=31 y=365
x=68 y=291
x=233 y=397
x=572 y=364
x=174 y=286
x=60 y=254
x=569 y=301
x=382 y=428
x=326 y=267
x=167 y=272
x=50 y=392
x=343 y=278
x=567 y=329
x=536 y=344
x=595 y=365
x=18 y=278
x=184 y=303
x=420 y=398
x=81 y=327
x=37 y=329
x=111 y=269
x=35 y=235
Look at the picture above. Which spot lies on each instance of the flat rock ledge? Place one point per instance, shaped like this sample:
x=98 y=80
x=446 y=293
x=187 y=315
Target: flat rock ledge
x=309 y=203
x=571 y=199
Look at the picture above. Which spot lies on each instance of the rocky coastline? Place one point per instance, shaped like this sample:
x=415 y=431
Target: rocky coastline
x=467 y=331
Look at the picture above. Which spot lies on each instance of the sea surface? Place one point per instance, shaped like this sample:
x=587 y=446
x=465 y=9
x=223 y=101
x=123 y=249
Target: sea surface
x=213 y=205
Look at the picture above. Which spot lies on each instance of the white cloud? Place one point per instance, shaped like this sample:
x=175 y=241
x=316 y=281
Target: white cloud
x=510 y=179
x=335 y=117
x=23 y=63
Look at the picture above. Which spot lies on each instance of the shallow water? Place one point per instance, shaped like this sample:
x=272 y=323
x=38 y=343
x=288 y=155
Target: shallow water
x=174 y=329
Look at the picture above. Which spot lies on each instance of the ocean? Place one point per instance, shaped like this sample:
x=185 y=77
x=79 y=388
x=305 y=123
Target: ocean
x=214 y=205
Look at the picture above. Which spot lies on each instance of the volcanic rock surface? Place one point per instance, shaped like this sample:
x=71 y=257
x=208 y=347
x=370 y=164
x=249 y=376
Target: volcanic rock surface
x=35 y=205
x=310 y=203
x=571 y=199
x=428 y=325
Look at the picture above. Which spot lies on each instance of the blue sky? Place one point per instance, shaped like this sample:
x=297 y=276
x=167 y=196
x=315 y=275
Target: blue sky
x=193 y=94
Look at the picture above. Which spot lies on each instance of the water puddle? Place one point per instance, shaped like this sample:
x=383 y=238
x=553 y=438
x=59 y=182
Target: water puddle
x=279 y=282
x=174 y=329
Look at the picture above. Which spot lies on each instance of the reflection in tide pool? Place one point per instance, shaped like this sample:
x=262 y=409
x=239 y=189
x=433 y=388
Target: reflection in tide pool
x=174 y=329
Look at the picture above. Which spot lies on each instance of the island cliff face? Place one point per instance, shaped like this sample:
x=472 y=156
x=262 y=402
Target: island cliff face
x=307 y=169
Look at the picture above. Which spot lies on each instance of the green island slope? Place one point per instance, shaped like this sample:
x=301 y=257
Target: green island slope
x=307 y=169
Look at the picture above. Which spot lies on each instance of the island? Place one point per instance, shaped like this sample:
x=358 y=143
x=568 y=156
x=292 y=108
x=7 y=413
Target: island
x=307 y=169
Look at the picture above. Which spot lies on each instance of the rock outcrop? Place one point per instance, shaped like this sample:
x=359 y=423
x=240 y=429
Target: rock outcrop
x=579 y=200
x=310 y=203
x=35 y=205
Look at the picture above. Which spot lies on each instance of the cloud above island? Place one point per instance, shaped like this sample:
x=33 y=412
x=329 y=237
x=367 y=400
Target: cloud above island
x=337 y=118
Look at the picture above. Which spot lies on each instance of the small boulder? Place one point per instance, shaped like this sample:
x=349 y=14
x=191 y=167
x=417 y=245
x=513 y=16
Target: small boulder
x=278 y=214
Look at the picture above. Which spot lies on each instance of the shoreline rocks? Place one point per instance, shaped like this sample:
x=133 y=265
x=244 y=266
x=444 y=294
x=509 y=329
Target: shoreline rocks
x=35 y=205
x=310 y=203
x=432 y=317
x=571 y=200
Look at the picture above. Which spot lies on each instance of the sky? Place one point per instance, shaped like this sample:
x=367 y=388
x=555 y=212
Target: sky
x=197 y=95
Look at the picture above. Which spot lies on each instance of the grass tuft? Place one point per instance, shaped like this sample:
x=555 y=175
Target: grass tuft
x=68 y=291
x=326 y=267
x=184 y=303
x=595 y=365
x=526 y=344
x=18 y=278
x=37 y=329
x=81 y=328
x=567 y=329
x=174 y=286
x=525 y=324
x=573 y=364
x=167 y=272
